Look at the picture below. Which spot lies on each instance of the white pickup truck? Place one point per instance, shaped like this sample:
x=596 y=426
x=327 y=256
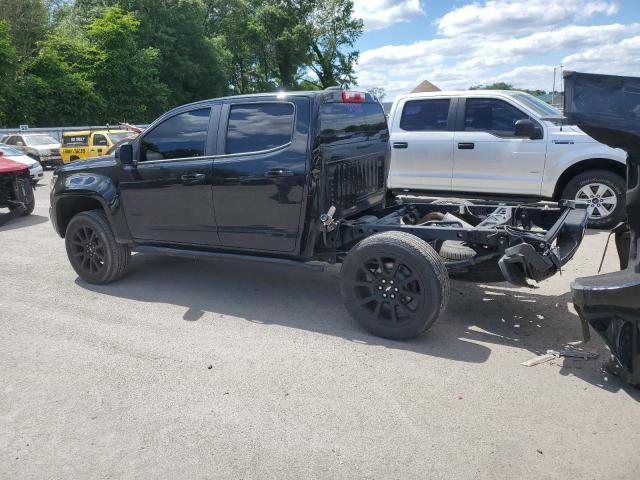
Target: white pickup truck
x=493 y=144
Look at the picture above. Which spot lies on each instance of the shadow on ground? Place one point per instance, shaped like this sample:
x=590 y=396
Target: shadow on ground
x=270 y=294
x=9 y=222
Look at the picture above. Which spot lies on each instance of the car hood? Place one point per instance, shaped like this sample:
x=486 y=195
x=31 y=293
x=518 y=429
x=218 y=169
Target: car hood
x=88 y=164
x=52 y=146
x=28 y=161
x=8 y=166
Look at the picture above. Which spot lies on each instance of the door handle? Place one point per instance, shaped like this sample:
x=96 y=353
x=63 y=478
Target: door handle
x=193 y=178
x=466 y=146
x=280 y=172
x=400 y=145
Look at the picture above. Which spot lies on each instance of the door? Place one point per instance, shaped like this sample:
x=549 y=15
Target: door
x=488 y=158
x=422 y=145
x=259 y=174
x=167 y=195
x=99 y=145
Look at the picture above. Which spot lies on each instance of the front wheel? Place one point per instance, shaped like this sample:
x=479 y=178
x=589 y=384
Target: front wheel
x=24 y=194
x=604 y=194
x=92 y=248
x=394 y=284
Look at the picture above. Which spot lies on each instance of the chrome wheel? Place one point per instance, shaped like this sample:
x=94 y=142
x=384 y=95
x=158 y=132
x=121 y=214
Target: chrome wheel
x=601 y=200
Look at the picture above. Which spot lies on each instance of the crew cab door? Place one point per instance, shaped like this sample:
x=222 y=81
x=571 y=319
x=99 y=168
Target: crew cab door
x=167 y=195
x=422 y=144
x=488 y=158
x=259 y=172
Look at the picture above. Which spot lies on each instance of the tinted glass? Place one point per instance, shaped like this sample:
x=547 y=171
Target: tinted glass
x=118 y=136
x=100 y=140
x=181 y=136
x=10 y=140
x=491 y=115
x=259 y=126
x=75 y=139
x=352 y=122
x=425 y=115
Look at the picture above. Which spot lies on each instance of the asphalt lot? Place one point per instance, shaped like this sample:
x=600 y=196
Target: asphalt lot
x=114 y=381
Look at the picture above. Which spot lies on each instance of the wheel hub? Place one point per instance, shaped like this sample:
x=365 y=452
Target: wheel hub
x=600 y=199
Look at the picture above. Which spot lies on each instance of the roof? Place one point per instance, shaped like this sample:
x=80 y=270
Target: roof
x=88 y=132
x=425 y=86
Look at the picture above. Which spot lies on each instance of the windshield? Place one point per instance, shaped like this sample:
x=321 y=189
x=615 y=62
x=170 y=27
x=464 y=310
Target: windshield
x=9 y=152
x=116 y=137
x=541 y=108
x=40 y=140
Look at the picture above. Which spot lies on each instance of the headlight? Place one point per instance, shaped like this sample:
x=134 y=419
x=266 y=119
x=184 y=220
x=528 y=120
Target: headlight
x=54 y=179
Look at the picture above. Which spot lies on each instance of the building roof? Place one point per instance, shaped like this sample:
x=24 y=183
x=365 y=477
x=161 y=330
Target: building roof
x=425 y=86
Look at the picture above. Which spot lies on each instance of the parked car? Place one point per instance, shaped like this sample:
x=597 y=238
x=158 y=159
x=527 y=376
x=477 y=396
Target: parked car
x=89 y=143
x=16 y=192
x=291 y=178
x=35 y=169
x=39 y=146
x=482 y=143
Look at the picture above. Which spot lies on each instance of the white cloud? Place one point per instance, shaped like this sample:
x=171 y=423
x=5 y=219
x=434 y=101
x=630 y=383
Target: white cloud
x=505 y=17
x=621 y=58
x=382 y=13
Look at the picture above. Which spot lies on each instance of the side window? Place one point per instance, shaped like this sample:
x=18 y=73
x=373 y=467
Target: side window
x=100 y=140
x=425 y=115
x=254 y=127
x=10 y=141
x=491 y=115
x=181 y=136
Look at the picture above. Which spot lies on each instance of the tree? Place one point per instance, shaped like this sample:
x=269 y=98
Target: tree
x=125 y=76
x=378 y=92
x=28 y=23
x=8 y=70
x=333 y=35
x=508 y=86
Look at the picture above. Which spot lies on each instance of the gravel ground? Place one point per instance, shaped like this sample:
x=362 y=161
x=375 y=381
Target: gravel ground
x=216 y=369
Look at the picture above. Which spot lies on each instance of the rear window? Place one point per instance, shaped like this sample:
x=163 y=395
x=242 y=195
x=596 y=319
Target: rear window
x=254 y=127
x=352 y=122
x=425 y=115
x=75 y=140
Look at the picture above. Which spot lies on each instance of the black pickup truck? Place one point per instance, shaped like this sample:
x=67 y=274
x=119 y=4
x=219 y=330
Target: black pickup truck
x=299 y=178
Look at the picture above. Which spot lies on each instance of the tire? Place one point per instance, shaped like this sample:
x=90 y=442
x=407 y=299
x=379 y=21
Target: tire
x=92 y=248
x=25 y=195
x=586 y=187
x=394 y=285
x=487 y=271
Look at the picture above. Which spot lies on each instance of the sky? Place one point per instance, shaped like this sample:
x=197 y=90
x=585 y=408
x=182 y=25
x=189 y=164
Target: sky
x=456 y=44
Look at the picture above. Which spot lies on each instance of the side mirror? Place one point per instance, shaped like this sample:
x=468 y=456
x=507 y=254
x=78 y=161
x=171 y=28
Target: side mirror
x=19 y=144
x=125 y=154
x=525 y=128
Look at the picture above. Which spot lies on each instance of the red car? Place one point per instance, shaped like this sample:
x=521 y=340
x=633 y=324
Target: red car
x=16 y=192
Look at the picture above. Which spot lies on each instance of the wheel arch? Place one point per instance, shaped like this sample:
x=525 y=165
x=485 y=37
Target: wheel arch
x=584 y=166
x=69 y=206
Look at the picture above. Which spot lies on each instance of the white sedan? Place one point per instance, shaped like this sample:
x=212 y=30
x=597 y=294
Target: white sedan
x=35 y=169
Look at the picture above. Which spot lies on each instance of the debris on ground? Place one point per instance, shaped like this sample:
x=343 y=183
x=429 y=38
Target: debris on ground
x=552 y=354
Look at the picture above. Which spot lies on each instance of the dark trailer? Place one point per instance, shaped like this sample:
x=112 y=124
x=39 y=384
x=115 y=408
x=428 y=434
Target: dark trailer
x=607 y=107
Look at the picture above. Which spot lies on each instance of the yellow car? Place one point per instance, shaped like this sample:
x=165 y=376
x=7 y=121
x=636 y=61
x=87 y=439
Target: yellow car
x=89 y=143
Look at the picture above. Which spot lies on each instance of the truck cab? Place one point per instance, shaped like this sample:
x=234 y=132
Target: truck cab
x=496 y=144
x=89 y=143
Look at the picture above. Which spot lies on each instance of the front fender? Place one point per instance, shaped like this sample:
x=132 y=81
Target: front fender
x=81 y=191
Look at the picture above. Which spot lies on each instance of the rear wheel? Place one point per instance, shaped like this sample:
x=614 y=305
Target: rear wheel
x=394 y=284
x=603 y=192
x=92 y=248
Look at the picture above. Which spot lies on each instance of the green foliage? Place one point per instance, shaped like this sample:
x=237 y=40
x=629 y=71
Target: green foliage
x=378 y=92
x=66 y=62
x=507 y=86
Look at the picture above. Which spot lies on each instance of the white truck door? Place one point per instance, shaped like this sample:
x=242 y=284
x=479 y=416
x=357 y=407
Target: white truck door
x=488 y=158
x=422 y=144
